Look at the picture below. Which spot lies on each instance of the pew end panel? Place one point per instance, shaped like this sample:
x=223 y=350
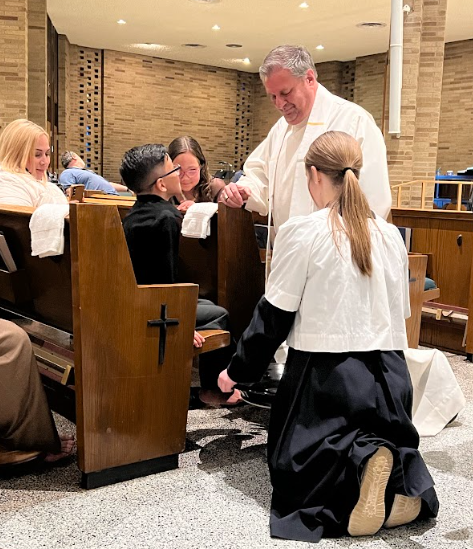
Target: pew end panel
x=240 y=270
x=448 y=237
x=130 y=408
x=417 y=296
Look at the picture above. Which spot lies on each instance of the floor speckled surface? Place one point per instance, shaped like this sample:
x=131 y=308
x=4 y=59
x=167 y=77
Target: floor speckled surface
x=219 y=496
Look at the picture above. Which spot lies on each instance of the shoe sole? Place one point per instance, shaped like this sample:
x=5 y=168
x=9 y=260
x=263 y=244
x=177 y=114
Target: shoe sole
x=368 y=514
x=404 y=510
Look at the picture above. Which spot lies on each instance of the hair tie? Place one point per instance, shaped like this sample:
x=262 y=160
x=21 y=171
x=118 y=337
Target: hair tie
x=344 y=171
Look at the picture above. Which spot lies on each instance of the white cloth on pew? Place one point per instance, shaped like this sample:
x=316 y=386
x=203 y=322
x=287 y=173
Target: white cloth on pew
x=196 y=222
x=437 y=396
x=47 y=229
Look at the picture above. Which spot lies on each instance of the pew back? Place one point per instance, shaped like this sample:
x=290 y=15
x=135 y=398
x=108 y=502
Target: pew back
x=44 y=292
x=226 y=265
x=132 y=379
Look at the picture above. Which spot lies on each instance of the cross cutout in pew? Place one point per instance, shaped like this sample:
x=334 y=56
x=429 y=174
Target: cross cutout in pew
x=163 y=324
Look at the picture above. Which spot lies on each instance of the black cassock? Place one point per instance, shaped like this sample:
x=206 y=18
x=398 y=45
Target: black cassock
x=331 y=413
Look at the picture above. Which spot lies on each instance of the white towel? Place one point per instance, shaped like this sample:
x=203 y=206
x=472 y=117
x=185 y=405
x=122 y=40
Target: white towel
x=196 y=222
x=47 y=229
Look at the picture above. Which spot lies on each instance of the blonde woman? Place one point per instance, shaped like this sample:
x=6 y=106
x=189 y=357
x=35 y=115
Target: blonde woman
x=342 y=450
x=24 y=160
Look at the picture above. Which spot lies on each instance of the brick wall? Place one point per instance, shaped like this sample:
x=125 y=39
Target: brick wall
x=85 y=114
x=155 y=100
x=13 y=61
x=64 y=104
x=149 y=99
x=369 y=84
x=37 y=62
x=455 y=150
x=330 y=75
x=265 y=114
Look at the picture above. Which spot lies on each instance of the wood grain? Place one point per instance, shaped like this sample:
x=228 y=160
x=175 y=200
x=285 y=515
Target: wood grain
x=129 y=408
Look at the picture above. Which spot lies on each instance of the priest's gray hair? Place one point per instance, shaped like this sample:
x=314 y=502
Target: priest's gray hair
x=297 y=59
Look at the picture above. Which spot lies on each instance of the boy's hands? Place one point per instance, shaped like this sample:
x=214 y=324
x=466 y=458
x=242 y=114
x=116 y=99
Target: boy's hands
x=198 y=339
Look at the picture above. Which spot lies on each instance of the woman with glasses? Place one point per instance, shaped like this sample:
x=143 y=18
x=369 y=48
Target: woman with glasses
x=196 y=183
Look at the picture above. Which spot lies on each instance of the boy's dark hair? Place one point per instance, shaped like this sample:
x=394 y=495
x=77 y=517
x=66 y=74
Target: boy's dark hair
x=138 y=165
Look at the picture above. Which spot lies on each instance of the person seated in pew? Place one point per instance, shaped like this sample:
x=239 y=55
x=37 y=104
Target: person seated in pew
x=24 y=161
x=27 y=430
x=152 y=230
x=452 y=205
x=196 y=183
x=342 y=448
x=75 y=173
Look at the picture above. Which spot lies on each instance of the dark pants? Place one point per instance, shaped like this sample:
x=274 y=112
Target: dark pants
x=213 y=317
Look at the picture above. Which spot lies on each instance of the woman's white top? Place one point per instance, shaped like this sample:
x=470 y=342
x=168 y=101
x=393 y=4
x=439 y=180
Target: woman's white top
x=23 y=190
x=338 y=308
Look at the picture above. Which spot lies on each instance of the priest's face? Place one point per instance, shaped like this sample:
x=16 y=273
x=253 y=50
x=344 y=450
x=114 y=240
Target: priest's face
x=292 y=96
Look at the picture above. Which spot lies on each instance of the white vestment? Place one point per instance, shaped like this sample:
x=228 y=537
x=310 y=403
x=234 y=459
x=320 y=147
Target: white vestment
x=437 y=397
x=329 y=113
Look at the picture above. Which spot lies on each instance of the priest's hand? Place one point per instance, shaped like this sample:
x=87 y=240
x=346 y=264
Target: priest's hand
x=225 y=383
x=234 y=195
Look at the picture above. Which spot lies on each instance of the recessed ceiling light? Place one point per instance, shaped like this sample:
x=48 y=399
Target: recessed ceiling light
x=192 y=45
x=234 y=45
x=247 y=61
x=320 y=47
x=215 y=28
x=304 y=5
x=121 y=22
x=371 y=25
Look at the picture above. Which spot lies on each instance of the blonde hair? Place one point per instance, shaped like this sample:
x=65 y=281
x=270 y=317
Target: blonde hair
x=338 y=155
x=18 y=146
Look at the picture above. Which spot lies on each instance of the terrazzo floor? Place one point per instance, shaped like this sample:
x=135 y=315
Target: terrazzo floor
x=219 y=497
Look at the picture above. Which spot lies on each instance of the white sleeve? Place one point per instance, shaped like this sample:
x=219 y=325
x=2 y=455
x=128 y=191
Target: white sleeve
x=406 y=296
x=17 y=194
x=374 y=178
x=406 y=301
x=52 y=195
x=256 y=176
x=290 y=264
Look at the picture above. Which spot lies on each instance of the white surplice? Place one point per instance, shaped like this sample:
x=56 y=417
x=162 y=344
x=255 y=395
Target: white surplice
x=267 y=161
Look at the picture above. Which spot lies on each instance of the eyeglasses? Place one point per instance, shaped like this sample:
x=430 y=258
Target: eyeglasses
x=175 y=169
x=190 y=172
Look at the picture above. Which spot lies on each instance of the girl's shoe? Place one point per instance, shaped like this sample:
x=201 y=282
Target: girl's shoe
x=403 y=511
x=368 y=514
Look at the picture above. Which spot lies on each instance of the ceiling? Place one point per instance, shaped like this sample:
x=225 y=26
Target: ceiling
x=161 y=27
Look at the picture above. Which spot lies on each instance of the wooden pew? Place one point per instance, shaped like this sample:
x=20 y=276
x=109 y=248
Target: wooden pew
x=447 y=237
x=226 y=265
x=124 y=381
x=417 y=297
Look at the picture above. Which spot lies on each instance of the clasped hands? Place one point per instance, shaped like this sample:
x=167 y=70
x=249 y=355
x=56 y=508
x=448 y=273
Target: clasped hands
x=234 y=195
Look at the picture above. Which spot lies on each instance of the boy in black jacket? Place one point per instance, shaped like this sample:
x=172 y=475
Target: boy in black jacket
x=152 y=231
